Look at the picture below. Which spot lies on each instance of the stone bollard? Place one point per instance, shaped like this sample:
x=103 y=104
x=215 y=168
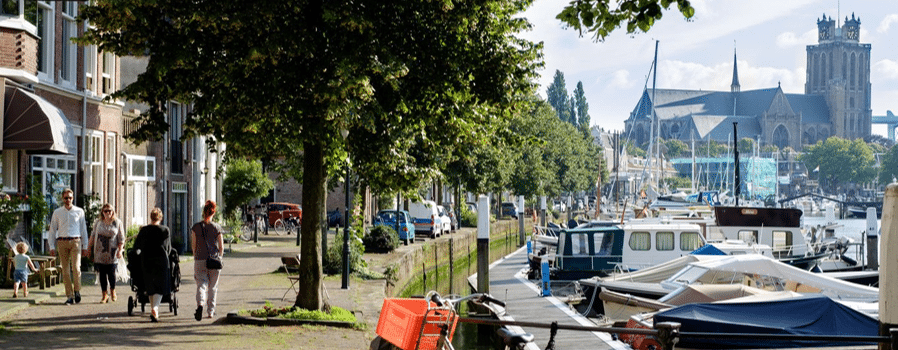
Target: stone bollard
x=872 y=240
x=483 y=244
x=888 y=269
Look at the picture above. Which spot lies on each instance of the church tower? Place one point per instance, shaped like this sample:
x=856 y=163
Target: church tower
x=838 y=68
x=734 y=87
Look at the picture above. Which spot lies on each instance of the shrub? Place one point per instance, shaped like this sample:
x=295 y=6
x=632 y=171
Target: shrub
x=468 y=218
x=381 y=239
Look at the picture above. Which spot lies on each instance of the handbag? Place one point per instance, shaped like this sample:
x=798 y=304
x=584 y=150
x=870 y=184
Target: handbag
x=213 y=262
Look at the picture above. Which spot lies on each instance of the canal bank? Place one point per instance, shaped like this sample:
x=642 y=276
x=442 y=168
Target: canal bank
x=443 y=264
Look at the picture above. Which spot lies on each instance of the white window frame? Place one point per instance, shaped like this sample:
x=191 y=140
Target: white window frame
x=149 y=163
x=90 y=69
x=10 y=170
x=93 y=160
x=108 y=74
x=69 y=52
x=47 y=40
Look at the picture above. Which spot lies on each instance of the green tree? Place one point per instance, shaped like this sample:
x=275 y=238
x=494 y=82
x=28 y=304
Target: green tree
x=746 y=145
x=888 y=170
x=408 y=80
x=841 y=161
x=582 y=106
x=557 y=97
x=634 y=150
x=711 y=149
x=244 y=181
x=601 y=17
x=675 y=148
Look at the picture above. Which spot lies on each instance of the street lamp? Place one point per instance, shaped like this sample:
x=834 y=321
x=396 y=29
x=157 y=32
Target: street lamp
x=345 y=284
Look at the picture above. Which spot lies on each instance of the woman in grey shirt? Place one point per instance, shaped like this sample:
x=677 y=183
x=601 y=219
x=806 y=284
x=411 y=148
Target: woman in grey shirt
x=206 y=242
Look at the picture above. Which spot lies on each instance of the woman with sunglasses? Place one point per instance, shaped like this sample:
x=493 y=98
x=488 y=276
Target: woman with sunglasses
x=106 y=242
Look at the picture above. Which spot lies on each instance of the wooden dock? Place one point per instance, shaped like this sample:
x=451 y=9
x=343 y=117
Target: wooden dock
x=508 y=282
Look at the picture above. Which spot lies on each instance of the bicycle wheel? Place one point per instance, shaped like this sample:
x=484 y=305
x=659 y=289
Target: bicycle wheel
x=246 y=233
x=279 y=227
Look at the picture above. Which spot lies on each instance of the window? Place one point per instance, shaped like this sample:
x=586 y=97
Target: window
x=93 y=160
x=640 y=241
x=69 y=50
x=690 y=241
x=782 y=240
x=141 y=168
x=748 y=236
x=90 y=69
x=604 y=242
x=177 y=153
x=108 y=72
x=664 y=241
x=9 y=7
x=55 y=173
x=40 y=14
x=110 y=169
x=10 y=164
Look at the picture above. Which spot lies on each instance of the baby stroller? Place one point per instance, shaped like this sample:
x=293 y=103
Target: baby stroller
x=137 y=283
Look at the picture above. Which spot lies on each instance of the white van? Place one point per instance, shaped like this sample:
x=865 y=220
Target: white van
x=427 y=218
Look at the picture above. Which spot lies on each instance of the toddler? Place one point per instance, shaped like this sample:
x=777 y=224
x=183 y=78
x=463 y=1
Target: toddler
x=23 y=264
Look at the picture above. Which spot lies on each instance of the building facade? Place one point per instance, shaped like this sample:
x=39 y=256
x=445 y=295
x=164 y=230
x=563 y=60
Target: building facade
x=836 y=101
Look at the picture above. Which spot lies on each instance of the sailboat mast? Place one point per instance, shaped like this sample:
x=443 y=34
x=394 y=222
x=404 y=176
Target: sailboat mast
x=655 y=128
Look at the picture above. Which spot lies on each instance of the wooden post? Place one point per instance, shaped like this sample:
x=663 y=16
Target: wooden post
x=451 y=267
x=521 y=220
x=888 y=269
x=483 y=244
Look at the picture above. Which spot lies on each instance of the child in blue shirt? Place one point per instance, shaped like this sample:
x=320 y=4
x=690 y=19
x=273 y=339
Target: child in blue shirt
x=23 y=264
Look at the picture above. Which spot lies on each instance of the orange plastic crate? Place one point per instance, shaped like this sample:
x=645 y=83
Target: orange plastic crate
x=401 y=319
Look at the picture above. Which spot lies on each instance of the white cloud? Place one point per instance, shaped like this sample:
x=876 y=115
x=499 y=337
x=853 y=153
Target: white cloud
x=790 y=39
x=886 y=23
x=620 y=79
x=884 y=70
x=694 y=76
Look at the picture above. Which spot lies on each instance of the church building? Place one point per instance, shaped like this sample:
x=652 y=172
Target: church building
x=836 y=101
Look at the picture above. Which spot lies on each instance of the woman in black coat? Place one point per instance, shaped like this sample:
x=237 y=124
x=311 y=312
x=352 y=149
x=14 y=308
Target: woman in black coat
x=154 y=244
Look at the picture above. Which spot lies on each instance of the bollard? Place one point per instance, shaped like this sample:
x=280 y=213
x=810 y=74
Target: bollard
x=529 y=251
x=888 y=270
x=547 y=290
x=483 y=244
x=542 y=211
x=872 y=240
x=893 y=335
x=521 y=220
x=668 y=333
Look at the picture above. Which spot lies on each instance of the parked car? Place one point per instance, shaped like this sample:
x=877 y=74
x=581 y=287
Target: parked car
x=558 y=205
x=426 y=217
x=406 y=224
x=510 y=209
x=280 y=210
x=472 y=207
x=446 y=220
x=452 y=216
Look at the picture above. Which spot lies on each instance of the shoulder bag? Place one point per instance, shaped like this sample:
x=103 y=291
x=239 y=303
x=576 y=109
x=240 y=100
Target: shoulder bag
x=213 y=262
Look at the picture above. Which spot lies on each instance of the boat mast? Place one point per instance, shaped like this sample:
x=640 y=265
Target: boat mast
x=736 y=180
x=655 y=128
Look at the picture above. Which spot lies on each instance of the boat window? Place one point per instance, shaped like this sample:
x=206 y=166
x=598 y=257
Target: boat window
x=782 y=240
x=640 y=241
x=604 y=242
x=664 y=241
x=690 y=241
x=579 y=244
x=748 y=236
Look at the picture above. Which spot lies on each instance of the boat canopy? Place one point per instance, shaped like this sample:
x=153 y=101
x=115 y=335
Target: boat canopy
x=806 y=315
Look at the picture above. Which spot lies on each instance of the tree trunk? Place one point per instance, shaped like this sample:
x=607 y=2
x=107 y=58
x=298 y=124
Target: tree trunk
x=313 y=196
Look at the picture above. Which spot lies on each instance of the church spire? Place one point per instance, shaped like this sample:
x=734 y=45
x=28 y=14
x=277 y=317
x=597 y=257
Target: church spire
x=735 y=86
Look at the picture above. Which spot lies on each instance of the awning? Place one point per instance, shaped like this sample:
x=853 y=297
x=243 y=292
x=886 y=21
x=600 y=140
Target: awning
x=35 y=125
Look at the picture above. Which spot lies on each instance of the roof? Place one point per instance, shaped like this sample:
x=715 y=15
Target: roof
x=813 y=108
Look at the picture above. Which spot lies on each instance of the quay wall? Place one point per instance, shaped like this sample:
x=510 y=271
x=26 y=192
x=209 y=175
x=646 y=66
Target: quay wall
x=441 y=264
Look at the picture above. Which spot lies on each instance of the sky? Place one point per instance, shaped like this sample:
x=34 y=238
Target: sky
x=770 y=39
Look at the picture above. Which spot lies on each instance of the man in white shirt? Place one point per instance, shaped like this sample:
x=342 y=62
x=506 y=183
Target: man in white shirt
x=68 y=232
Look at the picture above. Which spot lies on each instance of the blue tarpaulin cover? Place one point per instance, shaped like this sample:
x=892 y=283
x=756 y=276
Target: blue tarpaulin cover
x=809 y=315
x=708 y=250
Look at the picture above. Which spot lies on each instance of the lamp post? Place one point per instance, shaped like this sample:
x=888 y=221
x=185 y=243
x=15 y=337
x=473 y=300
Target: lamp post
x=345 y=284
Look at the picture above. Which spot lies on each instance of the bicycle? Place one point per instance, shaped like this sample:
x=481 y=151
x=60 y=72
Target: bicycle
x=288 y=224
x=248 y=229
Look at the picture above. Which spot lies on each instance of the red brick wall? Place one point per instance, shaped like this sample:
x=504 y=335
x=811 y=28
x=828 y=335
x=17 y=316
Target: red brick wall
x=18 y=50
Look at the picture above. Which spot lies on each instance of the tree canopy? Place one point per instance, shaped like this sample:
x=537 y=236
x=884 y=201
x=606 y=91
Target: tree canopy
x=840 y=161
x=601 y=18
x=243 y=182
x=888 y=170
x=556 y=95
x=408 y=80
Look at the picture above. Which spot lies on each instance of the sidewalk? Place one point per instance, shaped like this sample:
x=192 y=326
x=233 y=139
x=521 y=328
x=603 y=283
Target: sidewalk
x=248 y=280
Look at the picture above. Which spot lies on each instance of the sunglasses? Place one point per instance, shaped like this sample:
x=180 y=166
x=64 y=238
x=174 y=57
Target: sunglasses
x=66 y=197
x=107 y=210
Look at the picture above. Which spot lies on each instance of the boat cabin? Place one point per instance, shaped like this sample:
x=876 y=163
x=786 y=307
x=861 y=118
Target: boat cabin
x=779 y=228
